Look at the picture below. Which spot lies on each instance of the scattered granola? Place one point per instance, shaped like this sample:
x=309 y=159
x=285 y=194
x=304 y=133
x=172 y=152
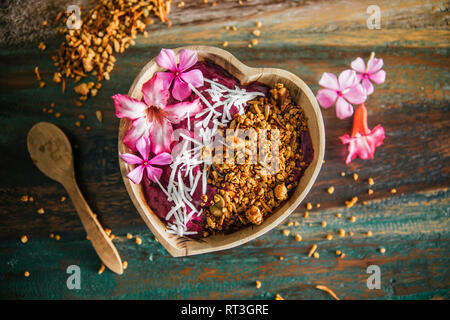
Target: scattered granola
x=351 y=203
x=312 y=250
x=99 y=116
x=326 y=289
x=110 y=27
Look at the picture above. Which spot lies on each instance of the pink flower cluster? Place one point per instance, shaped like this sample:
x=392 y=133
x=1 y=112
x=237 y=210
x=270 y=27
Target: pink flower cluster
x=353 y=87
x=152 y=117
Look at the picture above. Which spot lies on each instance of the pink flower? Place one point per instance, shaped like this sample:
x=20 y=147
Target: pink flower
x=177 y=72
x=370 y=73
x=152 y=117
x=363 y=141
x=143 y=162
x=343 y=91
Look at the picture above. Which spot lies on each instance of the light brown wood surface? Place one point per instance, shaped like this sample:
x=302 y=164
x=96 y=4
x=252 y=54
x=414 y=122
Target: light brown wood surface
x=52 y=154
x=301 y=95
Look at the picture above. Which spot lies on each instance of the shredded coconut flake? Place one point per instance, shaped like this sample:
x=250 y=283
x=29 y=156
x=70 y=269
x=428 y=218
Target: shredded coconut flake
x=190 y=156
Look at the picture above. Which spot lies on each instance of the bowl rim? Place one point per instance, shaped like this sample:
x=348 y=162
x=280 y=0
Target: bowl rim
x=184 y=246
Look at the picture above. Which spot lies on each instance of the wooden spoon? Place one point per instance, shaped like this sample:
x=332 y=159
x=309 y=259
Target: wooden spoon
x=52 y=154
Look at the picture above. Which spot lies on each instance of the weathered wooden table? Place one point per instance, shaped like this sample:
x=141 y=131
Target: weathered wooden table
x=307 y=38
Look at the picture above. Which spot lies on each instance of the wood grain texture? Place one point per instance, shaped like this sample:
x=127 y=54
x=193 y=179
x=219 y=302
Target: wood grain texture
x=415 y=265
x=413 y=106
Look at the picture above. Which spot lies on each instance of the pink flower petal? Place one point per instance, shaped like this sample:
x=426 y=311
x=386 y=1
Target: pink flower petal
x=351 y=147
x=377 y=135
x=187 y=59
x=367 y=85
x=363 y=146
x=358 y=65
x=166 y=59
x=153 y=173
x=131 y=158
x=374 y=65
x=178 y=112
x=127 y=107
x=180 y=90
x=161 y=159
x=359 y=77
x=347 y=79
x=194 y=77
x=356 y=94
x=143 y=146
x=343 y=108
x=135 y=175
x=155 y=92
x=167 y=78
x=329 y=81
x=378 y=77
x=139 y=128
x=161 y=133
x=326 y=97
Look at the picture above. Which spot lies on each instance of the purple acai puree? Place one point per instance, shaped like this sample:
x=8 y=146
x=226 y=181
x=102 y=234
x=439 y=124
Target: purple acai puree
x=157 y=199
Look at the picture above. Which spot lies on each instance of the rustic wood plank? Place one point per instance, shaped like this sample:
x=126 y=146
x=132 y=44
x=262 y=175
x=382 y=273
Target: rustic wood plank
x=414 y=230
x=410 y=160
x=413 y=106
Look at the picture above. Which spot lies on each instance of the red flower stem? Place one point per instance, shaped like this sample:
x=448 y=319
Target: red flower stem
x=360 y=121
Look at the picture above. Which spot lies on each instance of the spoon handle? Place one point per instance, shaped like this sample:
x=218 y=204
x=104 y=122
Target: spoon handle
x=99 y=239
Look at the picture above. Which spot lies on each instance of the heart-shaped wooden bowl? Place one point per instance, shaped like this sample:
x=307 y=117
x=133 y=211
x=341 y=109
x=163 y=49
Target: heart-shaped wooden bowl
x=301 y=95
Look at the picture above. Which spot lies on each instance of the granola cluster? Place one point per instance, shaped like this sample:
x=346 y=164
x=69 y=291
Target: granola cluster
x=248 y=190
x=109 y=27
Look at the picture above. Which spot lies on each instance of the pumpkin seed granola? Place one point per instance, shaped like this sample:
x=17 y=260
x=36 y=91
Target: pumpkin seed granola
x=246 y=193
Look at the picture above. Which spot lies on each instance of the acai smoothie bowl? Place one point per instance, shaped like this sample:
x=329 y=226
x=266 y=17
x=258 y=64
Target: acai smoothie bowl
x=214 y=153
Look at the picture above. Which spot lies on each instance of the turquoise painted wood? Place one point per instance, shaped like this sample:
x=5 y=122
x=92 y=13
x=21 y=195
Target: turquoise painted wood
x=415 y=265
x=412 y=225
